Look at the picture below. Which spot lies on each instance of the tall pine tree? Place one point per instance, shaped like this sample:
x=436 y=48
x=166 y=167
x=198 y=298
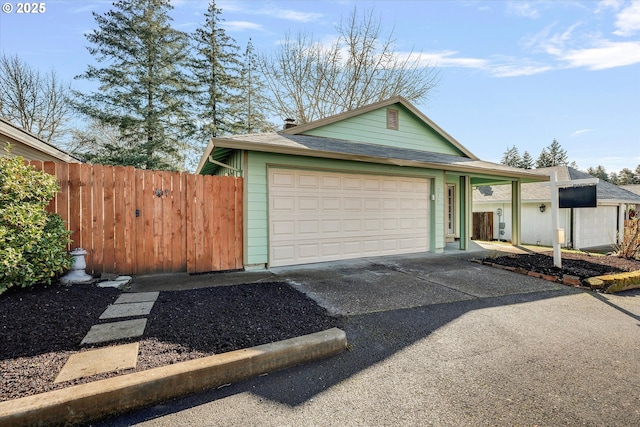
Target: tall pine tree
x=527 y=161
x=553 y=155
x=511 y=157
x=216 y=67
x=251 y=103
x=143 y=87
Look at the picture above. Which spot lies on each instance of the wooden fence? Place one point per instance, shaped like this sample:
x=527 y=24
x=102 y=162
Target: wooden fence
x=482 y=228
x=133 y=221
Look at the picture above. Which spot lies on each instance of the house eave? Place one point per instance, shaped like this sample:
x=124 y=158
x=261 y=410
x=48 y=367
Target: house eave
x=308 y=152
x=21 y=136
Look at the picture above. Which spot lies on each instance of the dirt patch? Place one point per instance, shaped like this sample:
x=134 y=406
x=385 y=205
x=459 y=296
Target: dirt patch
x=581 y=265
x=41 y=327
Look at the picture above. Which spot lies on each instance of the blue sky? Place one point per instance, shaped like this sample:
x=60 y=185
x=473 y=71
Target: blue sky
x=511 y=72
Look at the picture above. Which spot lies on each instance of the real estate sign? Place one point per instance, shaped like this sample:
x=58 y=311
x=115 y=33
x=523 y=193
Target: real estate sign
x=577 y=197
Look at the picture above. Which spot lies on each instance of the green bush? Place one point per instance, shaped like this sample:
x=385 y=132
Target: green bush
x=33 y=242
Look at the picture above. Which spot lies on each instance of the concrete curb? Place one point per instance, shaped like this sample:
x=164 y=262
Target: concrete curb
x=92 y=401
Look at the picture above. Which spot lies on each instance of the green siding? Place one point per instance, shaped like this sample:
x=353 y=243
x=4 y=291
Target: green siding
x=371 y=127
x=257 y=221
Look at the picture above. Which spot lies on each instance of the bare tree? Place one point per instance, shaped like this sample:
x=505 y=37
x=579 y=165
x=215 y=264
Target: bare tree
x=309 y=80
x=36 y=102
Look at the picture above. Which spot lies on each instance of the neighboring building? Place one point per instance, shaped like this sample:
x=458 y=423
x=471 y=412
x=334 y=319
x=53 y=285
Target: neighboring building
x=584 y=227
x=634 y=188
x=380 y=180
x=29 y=146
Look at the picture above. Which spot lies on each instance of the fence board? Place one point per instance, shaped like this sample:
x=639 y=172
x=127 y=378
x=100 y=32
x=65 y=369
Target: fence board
x=74 y=203
x=86 y=228
x=129 y=218
x=138 y=225
x=109 y=221
x=97 y=253
x=134 y=221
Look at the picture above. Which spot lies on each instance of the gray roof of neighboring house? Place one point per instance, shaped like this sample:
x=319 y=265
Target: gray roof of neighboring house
x=315 y=146
x=541 y=192
x=634 y=188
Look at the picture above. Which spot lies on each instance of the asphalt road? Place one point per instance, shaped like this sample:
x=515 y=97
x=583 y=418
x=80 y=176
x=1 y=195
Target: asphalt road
x=444 y=342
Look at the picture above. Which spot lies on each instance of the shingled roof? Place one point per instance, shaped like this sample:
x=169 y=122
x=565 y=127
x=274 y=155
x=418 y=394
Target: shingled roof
x=541 y=192
x=315 y=146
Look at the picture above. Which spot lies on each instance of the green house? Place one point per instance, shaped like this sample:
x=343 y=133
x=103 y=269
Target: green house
x=379 y=180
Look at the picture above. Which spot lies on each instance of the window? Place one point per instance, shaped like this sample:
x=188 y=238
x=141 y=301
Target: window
x=451 y=209
x=392 y=119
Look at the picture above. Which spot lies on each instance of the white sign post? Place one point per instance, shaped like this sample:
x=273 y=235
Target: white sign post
x=555 y=219
x=558 y=233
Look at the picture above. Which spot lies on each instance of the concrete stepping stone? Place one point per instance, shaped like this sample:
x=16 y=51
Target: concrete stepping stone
x=137 y=297
x=98 y=361
x=118 y=282
x=115 y=331
x=127 y=310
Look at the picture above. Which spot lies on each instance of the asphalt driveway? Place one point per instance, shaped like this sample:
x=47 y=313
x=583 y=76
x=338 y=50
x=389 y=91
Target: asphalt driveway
x=371 y=285
x=436 y=340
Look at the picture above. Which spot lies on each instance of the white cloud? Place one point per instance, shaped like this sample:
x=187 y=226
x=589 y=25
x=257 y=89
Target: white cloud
x=447 y=59
x=293 y=15
x=521 y=8
x=609 y=4
x=242 y=26
x=628 y=20
x=516 y=70
x=496 y=67
x=580 y=132
x=605 y=55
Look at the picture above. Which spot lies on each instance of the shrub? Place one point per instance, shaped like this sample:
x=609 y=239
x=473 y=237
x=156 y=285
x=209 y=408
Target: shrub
x=33 y=242
x=629 y=247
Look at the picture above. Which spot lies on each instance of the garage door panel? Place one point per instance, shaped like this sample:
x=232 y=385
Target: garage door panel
x=321 y=216
x=308 y=181
x=308 y=203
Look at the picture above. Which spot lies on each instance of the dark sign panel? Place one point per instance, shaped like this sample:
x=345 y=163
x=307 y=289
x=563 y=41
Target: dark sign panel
x=578 y=197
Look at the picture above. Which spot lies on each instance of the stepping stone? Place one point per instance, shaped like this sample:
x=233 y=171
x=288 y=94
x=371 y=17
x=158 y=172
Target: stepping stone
x=98 y=361
x=115 y=331
x=127 y=310
x=118 y=282
x=137 y=297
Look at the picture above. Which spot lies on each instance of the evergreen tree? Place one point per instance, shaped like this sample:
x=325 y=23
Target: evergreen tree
x=553 y=155
x=216 y=68
x=598 y=172
x=544 y=159
x=613 y=178
x=511 y=157
x=143 y=89
x=251 y=101
x=527 y=161
x=626 y=177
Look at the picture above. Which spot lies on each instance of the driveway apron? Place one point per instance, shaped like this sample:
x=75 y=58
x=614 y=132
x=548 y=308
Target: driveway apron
x=372 y=285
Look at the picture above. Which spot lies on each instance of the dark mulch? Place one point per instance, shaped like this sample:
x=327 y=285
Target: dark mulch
x=582 y=265
x=41 y=327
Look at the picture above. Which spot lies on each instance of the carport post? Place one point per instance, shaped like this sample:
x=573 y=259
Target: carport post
x=516 y=206
x=465 y=212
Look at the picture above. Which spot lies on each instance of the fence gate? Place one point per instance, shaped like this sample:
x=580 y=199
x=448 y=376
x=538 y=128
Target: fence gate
x=134 y=221
x=482 y=226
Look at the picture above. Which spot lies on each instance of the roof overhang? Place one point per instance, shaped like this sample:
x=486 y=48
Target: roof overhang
x=369 y=153
x=23 y=137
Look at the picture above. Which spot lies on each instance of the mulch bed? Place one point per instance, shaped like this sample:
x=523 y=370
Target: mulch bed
x=580 y=265
x=41 y=327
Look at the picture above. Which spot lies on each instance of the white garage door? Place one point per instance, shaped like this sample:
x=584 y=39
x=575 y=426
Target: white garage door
x=596 y=226
x=317 y=216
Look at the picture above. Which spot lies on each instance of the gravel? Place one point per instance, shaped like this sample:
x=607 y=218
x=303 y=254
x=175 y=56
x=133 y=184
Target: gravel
x=41 y=327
